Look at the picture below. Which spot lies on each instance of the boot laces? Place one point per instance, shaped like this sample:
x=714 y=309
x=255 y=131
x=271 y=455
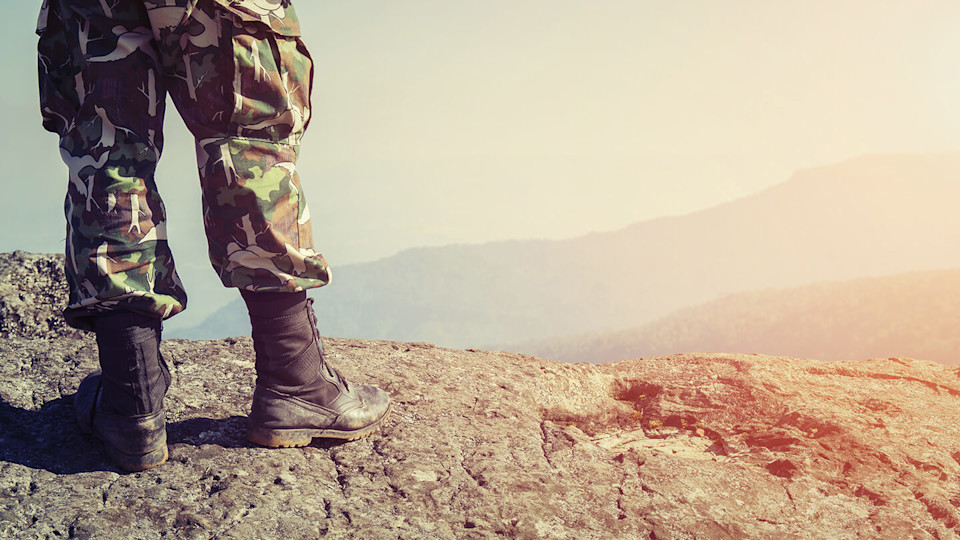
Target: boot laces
x=332 y=373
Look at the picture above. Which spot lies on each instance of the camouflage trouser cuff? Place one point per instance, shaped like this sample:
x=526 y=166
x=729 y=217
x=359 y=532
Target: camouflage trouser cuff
x=256 y=216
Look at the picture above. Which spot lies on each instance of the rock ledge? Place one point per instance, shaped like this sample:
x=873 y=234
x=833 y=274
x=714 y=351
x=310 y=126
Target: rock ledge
x=486 y=444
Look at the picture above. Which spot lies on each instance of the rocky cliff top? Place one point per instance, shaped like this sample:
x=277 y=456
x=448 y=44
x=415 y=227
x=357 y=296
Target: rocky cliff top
x=486 y=444
x=33 y=291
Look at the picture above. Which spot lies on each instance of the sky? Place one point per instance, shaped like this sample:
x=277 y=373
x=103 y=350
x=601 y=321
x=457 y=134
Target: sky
x=473 y=121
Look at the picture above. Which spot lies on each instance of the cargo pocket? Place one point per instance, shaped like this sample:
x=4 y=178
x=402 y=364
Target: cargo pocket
x=272 y=74
x=57 y=73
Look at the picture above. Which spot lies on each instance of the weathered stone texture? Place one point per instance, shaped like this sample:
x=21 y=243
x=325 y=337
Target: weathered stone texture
x=485 y=444
x=33 y=292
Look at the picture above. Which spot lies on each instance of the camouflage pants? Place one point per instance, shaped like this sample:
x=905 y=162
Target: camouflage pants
x=240 y=77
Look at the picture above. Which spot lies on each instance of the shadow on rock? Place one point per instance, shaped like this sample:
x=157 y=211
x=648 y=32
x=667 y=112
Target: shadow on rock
x=48 y=439
x=226 y=432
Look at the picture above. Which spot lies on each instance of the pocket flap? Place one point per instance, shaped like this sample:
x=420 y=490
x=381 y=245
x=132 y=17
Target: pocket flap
x=277 y=14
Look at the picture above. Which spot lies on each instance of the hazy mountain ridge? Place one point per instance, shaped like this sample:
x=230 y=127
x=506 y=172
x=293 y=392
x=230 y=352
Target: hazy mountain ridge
x=872 y=215
x=912 y=315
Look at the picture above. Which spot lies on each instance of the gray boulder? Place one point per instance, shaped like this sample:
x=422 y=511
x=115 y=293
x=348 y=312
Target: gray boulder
x=33 y=292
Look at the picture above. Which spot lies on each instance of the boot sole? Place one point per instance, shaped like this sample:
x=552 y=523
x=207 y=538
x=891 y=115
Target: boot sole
x=297 y=438
x=133 y=463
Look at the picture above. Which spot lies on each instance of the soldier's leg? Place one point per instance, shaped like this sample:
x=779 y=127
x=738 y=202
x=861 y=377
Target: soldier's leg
x=99 y=93
x=242 y=87
x=240 y=76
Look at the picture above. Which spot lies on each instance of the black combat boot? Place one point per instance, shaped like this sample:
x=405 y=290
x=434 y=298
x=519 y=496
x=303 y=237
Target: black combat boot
x=298 y=395
x=122 y=403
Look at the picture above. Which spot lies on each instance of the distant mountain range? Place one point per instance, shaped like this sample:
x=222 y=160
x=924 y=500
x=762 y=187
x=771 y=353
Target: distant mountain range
x=868 y=216
x=908 y=315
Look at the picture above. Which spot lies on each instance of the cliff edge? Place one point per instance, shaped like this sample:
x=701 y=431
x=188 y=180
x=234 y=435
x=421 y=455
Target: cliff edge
x=485 y=444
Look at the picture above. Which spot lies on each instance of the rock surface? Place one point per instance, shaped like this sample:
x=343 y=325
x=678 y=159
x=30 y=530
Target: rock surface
x=33 y=291
x=485 y=444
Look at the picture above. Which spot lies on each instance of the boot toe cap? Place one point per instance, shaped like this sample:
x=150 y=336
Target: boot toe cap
x=373 y=405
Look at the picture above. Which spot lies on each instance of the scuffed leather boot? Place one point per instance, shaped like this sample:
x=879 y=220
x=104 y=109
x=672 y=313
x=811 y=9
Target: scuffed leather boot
x=298 y=395
x=122 y=403
x=134 y=443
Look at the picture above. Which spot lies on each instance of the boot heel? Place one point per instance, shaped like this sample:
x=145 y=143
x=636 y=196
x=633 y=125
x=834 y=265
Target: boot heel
x=137 y=463
x=134 y=443
x=279 y=438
